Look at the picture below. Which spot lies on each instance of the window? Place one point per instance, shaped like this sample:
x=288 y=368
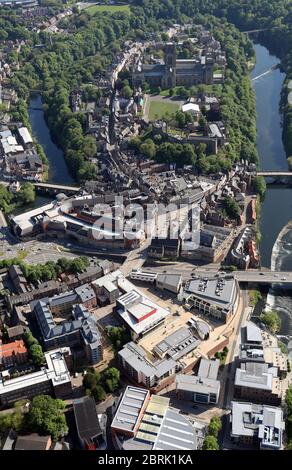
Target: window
x=201 y=398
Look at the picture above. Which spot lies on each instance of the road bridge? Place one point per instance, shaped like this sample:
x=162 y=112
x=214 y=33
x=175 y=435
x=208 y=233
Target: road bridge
x=264 y=277
x=252 y=276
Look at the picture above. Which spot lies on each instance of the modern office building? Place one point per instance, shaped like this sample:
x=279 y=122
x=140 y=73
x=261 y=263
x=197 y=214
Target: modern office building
x=261 y=346
x=203 y=387
x=168 y=357
x=165 y=281
x=215 y=297
x=135 y=363
x=258 y=425
x=259 y=383
x=130 y=411
x=177 y=345
x=139 y=313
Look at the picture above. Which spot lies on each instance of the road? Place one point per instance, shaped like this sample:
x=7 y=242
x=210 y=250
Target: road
x=263 y=277
x=256 y=276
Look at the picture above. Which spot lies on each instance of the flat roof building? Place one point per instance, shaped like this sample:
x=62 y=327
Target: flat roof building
x=260 y=346
x=153 y=424
x=133 y=359
x=215 y=297
x=201 y=388
x=130 y=410
x=258 y=382
x=177 y=345
x=169 y=281
x=53 y=379
x=139 y=313
x=259 y=425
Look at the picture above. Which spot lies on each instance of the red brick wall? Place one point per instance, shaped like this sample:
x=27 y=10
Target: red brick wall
x=218 y=347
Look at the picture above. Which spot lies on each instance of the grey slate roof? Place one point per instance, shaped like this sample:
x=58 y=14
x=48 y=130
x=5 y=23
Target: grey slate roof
x=86 y=419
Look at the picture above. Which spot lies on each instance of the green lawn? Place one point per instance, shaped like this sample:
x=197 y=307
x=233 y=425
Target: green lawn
x=159 y=108
x=107 y=8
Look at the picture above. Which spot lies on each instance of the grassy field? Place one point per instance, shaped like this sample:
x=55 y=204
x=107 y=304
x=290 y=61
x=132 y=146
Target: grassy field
x=107 y=8
x=159 y=108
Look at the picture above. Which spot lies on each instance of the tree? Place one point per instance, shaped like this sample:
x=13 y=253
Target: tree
x=15 y=421
x=98 y=393
x=127 y=92
x=283 y=347
x=34 y=349
x=91 y=379
x=46 y=416
x=210 y=443
x=202 y=121
x=180 y=119
x=118 y=336
x=231 y=207
x=112 y=379
x=135 y=143
x=288 y=399
x=148 y=148
x=272 y=321
x=26 y=195
x=37 y=355
x=289 y=445
x=214 y=426
x=259 y=185
x=29 y=339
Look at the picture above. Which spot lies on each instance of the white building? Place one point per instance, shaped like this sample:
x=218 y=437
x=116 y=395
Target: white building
x=259 y=425
x=54 y=378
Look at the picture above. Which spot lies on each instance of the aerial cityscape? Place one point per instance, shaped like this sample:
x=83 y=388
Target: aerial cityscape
x=145 y=227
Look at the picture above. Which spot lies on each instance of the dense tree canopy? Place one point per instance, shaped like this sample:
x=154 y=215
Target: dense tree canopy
x=272 y=320
x=48 y=271
x=231 y=207
x=46 y=416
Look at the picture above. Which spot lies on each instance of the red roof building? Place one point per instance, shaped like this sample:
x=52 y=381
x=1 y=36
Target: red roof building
x=13 y=353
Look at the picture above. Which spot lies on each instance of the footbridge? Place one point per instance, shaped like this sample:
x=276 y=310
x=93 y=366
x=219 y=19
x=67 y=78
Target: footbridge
x=57 y=188
x=50 y=188
x=275 y=174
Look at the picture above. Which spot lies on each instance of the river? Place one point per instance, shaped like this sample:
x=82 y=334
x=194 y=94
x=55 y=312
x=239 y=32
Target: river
x=58 y=170
x=276 y=210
